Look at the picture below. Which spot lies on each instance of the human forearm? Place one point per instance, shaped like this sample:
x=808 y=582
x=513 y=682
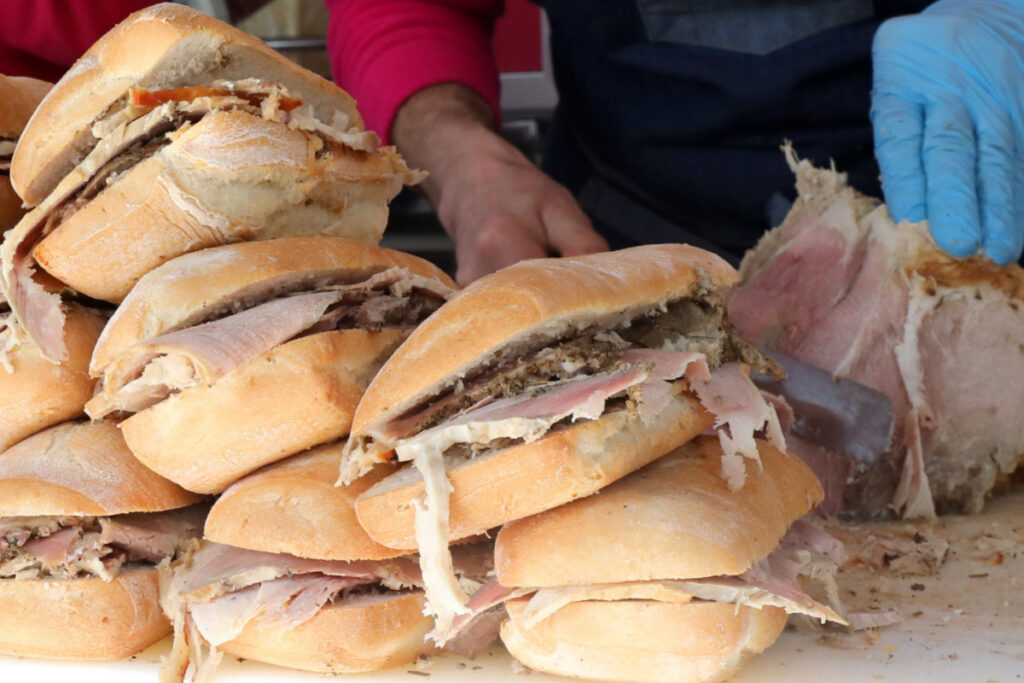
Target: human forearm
x=441 y=126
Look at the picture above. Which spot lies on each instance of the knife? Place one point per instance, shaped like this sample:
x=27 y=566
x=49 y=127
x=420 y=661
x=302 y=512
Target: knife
x=842 y=415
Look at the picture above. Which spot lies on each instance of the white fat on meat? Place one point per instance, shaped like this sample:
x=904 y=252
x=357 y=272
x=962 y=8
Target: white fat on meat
x=150 y=371
x=805 y=550
x=738 y=590
x=288 y=601
x=526 y=417
x=727 y=392
x=39 y=311
x=877 y=302
x=214 y=592
x=10 y=340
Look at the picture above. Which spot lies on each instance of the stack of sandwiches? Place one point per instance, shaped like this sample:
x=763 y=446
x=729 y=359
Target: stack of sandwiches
x=173 y=133
x=230 y=358
x=286 y=575
x=83 y=526
x=200 y=275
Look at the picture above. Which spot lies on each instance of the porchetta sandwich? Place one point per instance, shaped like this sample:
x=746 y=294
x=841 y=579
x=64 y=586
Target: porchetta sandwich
x=35 y=393
x=83 y=526
x=19 y=97
x=545 y=382
x=177 y=132
x=668 y=574
x=233 y=357
x=286 y=576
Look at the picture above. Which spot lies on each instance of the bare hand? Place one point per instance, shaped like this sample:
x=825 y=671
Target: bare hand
x=497 y=206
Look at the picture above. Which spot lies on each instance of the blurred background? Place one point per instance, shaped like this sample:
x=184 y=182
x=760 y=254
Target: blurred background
x=296 y=28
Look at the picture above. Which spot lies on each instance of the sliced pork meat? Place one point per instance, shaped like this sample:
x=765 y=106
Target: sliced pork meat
x=79 y=547
x=217 y=589
x=131 y=132
x=727 y=392
x=156 y=368
x=840 y=286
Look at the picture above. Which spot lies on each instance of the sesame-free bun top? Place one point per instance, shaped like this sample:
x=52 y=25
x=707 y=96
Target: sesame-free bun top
x=37 y=393
x=674 y=519
x=529 y=304
x=293 y=507
x=192 y=286
x=81 y=468
x=160 y=47
x=19 y=97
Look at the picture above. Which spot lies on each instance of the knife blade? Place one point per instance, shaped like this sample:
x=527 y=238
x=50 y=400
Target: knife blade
x=840 y=414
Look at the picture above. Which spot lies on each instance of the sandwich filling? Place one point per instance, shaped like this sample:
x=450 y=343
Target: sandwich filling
x=640 y=365
x=217 y=589
x=60 y=547
x=225 y=337
x=805 y=553
x=134 y=129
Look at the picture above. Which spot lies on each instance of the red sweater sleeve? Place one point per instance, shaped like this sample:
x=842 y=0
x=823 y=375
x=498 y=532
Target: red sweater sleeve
x=382 y=51
x=42 y=38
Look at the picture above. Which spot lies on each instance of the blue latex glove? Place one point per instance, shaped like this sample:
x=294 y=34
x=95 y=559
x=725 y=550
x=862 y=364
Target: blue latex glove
x=948 y=114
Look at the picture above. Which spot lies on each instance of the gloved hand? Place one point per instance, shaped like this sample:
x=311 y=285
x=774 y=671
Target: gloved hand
x=948 y=115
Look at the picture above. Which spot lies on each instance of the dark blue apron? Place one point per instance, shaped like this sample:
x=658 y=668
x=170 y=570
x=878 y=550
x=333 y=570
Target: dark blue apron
x=672 y=112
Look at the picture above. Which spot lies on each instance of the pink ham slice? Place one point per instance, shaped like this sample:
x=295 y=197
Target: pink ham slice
x=38 y=310
x=53 y=550
x=727 y=393
x=152 y=536
x=582 y=398
x=220 y=568
x=470 y=632
x=211 y=350
x=840 y=286
x=289 y=601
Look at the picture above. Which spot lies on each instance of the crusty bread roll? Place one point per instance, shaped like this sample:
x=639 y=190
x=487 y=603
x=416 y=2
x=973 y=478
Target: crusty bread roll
x=528 y=305
x=296 y=395
x=521 y=480
x=230 y=177
x=205 y=284
x=81 y=468
x=674 y=519
x=642 y=640
x=35 y=393
x=80 y=477
x=19 y=97
x=294 y=507
x=160 y=47
x=357 y=634
x=85 y=619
